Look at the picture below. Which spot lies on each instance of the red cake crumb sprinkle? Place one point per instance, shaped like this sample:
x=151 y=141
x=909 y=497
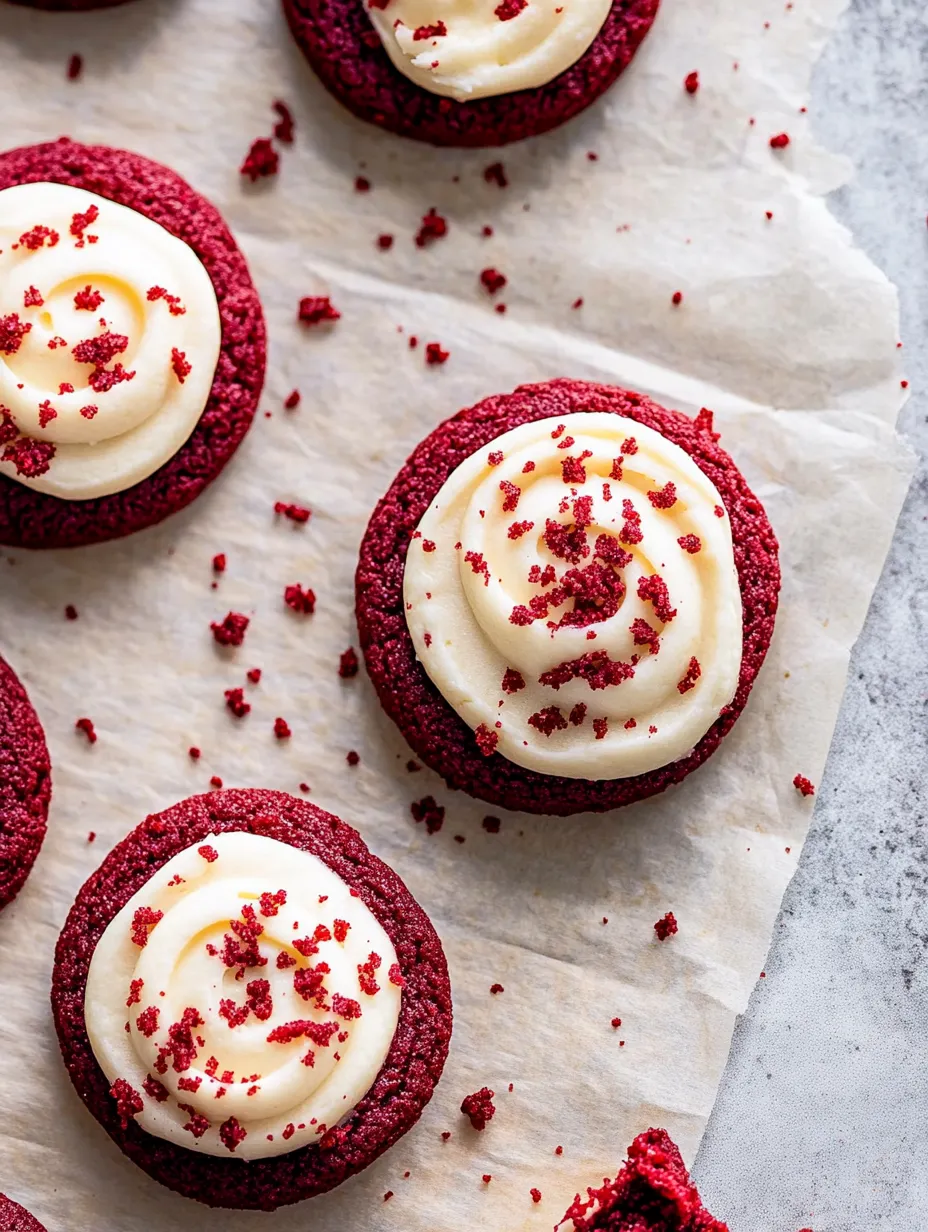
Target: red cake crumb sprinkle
x=292 y=401
x=135 y=993
x=478 y=565
x=600 y=728
x=36 y=238
x=175 y=307
x=315 y=309
x=366 y=974
x=219 y=562
x=352 y=758
x=89 y=411
x=495 y=457
x=654 y=589
x=780 y=141
x=430 y=811
x=282 y=729
x=231 y=1134
x=690 y=543
x=512 y=681
x=433 y=227
x=691 y=83
x=693 y=672
x=348 y=664
x=300 y=600
x=491 y=825
x=179 y=362
x=86 y=726
x=32 y=298
x=509 y=9
x=495 y=174
x=209 y=854
x=88 y=300
x=194 y=753
x=493 y=280
x=261 y=160
x=295 y=513
x=231 y=630
x=12 y=333
x=340 y=929
x=46 y=413
x=487 y=739
x=616 y=1023
x=384 y=242
x=30 y=457
x=666 y=926
x=235 y=701
x=155 y=1090
x=362 y=184
x=215 y=781
x=75 y=67
x=536 y=1194
x=803 y=785
x=645 y=635
x=283 y=129
x=665 y=497
x=479 y=1108
x=421 y=33
x=435 y=354
x=147 y=1021
x=487 y=1177
x=496 y=989
x=128 y=1101
x=395 y=976
x=284 y=961
x=70 y=612
x=80 y=223
x=143 y=922
x=388 y=1195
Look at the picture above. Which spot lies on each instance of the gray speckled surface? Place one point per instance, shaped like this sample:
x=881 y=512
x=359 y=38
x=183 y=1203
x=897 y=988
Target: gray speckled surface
x=822 y=1117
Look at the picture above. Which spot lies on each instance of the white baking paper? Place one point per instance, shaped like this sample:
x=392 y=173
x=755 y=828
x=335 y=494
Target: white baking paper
x=786 y=331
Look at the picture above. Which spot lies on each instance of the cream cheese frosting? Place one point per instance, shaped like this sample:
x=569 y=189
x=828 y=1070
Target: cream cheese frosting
x=467 y=49
x=109 y=339
x=572 y=593
x=260 y=994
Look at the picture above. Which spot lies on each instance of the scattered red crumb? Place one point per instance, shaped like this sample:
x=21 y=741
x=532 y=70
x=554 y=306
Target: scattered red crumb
x=75 y=67
x=665 y=497
x=283 y=129
x=292 y=400
x=690 y=543
x=616 y=1023
x=479 y=1108
x=536 y=1194
x=693 y=672
x=803 y=785
x=487 y=1177
x=491 y=825
x=422 y=33
x=691 y=83
x=261 y=160
x=434 y=354
x=486 y=232
x=433 y=227
x=235 y=701
x=209 y=854
x=493 y=280
x=348 y=664
x=231 y=631
x=231 y=1133
x=193 y=753
x=446 y=1135
x=88 y=300
x=780 y=141
x=91 y=836
x=30 y=457
x=430 y=811
x=128 y=1101
x=677 y=297
x=36 y=238
x=352 y=757
x=362 y=184
x=512 y=681
x=314 y=309
x=86 y=726
x=508 y=9
x=179 y=362
x=487 y=739
x=494 y=174
x=219 y=562
x=578 y=303
x=215 y=781
x=282 y=729
x=70 y=612
x=12 y=332
x=300 y=600
x=143 y=921
x=295 y=513
x=495 y=989
x=666 y=926
x=384 y=242
x=388 y=1195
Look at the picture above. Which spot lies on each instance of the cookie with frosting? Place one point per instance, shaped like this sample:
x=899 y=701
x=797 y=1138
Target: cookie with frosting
x=132 y=344
x=252 y=1004
x=25 y=784
x=15 y=1218
x=565 y=597
x=653 y=1192
x=469 y=72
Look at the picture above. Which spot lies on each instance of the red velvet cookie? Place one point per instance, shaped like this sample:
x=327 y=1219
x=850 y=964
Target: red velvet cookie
x=434 y=730
x=37 y=520
x=25 y=785
x=652 y=1193
x=14 y=1218
x=345 y=51
x=420 y=1045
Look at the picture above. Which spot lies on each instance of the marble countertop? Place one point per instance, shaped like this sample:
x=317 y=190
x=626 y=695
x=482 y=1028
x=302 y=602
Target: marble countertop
x=822 y=1117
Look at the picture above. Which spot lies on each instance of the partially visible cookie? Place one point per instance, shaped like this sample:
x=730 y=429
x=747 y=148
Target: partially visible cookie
x=25 y=785
x=652 y=1193
x=338 y=40
x=15 y=1218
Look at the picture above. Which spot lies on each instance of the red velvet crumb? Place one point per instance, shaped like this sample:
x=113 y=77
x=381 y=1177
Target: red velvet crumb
x=690 y=543
x=295 y=513
x=300 y=600
x=231 y=631
x=352 y=757
x=430 y=811
x=492 y=280
x=261 y=160
x=666 y=927
x=495 y=989
x=292 y=400
x=495 y=174
x=803 y=785
x=128 y=1101
x=479 y=1108
x=491 y=825
x=70 y=612
x=691 y=83
x=536 y=1194
x=75 y=67
x=282 y=729
x=384 y=242
x=780 y=141
x=283 y=129
x=235 y=701
x=314 y=309
x=86 y=726
x=434 y=354
x=348 y=664
x=433 y=227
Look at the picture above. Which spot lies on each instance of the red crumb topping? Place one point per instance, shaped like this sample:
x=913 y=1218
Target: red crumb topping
x=283 y=129
x=154 y=1089
x=348 y=664
x=491 y=825
x=282 y=729
x=803 y=785
x=147 y=1021
x=645 y=635
x=194 y=753
x=691 y=83
x=596 y=668
x=46 y=413
x=654 y=590
x=292 y=401
x=143 y=922
x=495 y=989
x=512 y=681
x=573 y=470
x=384 y=242
x=284 y=961
x=493 y=280
x=32 y=298
x=175 y=307
x=693 y=672
x=235 y=701
x=780 y=141
x=438 y=30
x=37 y=237
x=75 y=67
x=690 y=543
x=666 y=926
x=433 y=227
x=536 y=1194
x=261 y=160
x=182 y=368
x=600 y=728
x=665 y=497
x=548 y=720
x=487 y=739
x=345 y=1007
x=430 y=811
x=12 y=332
x=231 y=1133
x=315 y=309
x=215 y=781
x=509 y=9
x=89 y=300
x=435 y=354
x=487 y=1177
x=30 y=457
x=70 y=612
x=362 y=184
x=616 y=1023
x=300 y=600
x=295 y=513
x=86 y=726
x=231 y=630
x=128 y=1101
x=135 y=993
x=677 y=297
x=352 y=758
x=80 y=223
x=366 y=974
x=208 y=853
x=219 y=563
x=495 y=174
x=511 y=493
x=479 y=1108
x=478 y=565
x=88 y=411
x=270 y=904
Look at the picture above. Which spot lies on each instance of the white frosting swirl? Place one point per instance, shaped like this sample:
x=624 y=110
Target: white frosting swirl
x=109 y=339
x=552 y=603
x=467 y=49
x=219 y=971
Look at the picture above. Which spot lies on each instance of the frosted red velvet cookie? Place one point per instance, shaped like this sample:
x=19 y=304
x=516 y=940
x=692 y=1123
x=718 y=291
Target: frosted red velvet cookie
x=470 y=72
x=15 y=1218
x=565 y=597
x=251 y=1004
x=652 y=1193
x=25 y=785
x=132 y=344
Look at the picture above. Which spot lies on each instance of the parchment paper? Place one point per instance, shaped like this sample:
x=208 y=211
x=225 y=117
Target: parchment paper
x=786 y=331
